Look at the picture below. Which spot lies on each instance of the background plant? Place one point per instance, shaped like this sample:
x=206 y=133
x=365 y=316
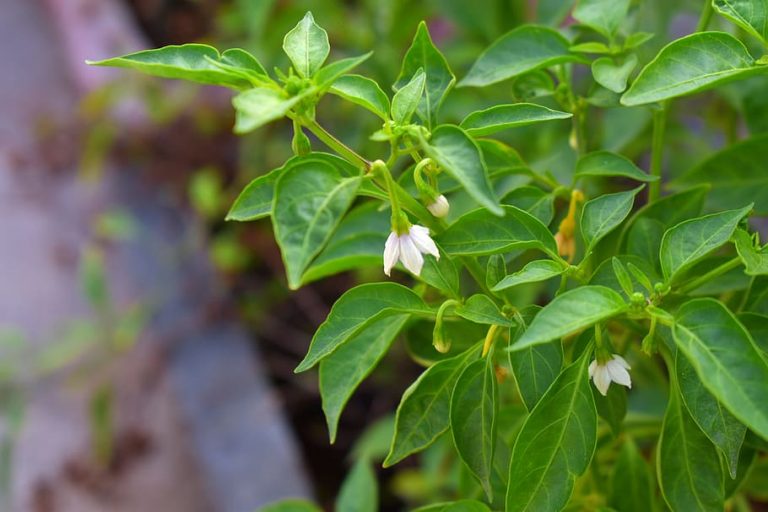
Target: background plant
x=670 y=287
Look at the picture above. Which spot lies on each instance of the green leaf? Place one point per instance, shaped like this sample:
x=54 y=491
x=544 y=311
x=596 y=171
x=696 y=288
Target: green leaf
x=503 y=117
x=533 y=200
x=357 y=242
x=256 y=107
x=555 y=444
x=343 y=371
x=439 y=79
x=460 y=157
x=755 y=259
x=482 y=310
x=533 y=272
x=612 y=407
x=675 y=208
x=455 y=506
x=535 y=368
x=571 y=312
x=333 y=71
x=605 y=274
x=688 y=465
x=691 y=64
x=424 y=411
x=605 y=163
x=757 y=326
x=644 y=239
x=519 y=51
x=406 y=100
x=719 y=425
x=307 y=46
x=691 y=240
x=603 y=214
x=354 y=311
x=360 y=490
x=441 y=274
x=632 y=489
x=495 y=270
x=291 y=505
x=480 y=232
x=737 y=173
x=364 y=92
x=255 y=201
x=604 y=16
x=193 y=62
x=622 y=276
x=751 y=15
x=611 y=75
x=310 y=200
x=726 y=360
x=474 y=403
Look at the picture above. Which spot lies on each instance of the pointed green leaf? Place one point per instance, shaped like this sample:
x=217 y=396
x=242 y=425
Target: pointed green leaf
x=307 y=46
x=354 y=311
x=406 y=100
x=611 y=75
x=644 y=239
x=482 y=310
x=612 y=408
x=480 y=232
x=632 y=489
x=360 y=490
x=571 y=312
x=310 y=200
x=439 y=79
x=441 y=274
x=755 y=259
x=333 y=71
x=343 y=371
x=460 y=156
x=605 y=163
x=455 y=506
x=535 y=368
x=751 y=15
x=604 y=16
x=555 y=444
x=535 y=201
x=603 y=214
x=364 y=92
x=691 y=64
x=256 y=107
x=503 y=117
x=726 y=359
x=193 y=62
x=242 y=63
x=291 y=505
x=255 y=201
x=691 y=240
x=424 y=411
x=474 y=403
x=688 y=465
x=524 y=49
x=719 y=425
x=533 y=272
x=737 y=173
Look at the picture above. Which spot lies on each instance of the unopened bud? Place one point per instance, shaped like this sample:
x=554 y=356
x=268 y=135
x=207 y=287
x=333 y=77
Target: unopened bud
x=440 y=207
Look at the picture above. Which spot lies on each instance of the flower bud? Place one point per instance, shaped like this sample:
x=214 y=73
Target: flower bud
x=440 y=207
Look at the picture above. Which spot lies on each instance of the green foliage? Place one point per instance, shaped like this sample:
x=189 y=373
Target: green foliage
x=535 y=396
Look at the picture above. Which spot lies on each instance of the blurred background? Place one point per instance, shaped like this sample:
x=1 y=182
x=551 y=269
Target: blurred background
x=146 y=346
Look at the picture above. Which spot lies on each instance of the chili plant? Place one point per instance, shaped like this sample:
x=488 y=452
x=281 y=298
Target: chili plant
x=550 y=302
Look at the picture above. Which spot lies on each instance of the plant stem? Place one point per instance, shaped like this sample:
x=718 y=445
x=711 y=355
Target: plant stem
x=715 y=272
x=657 y=148
x=332 y=142
x=706 y=16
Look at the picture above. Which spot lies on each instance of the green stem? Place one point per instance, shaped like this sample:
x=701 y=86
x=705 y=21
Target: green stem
x=706 y=16
x=332 y=142
x=657 y=148
x=715 y=272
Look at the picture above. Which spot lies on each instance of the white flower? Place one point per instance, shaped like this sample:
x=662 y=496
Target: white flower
x=409 y=249
x=614 y=370
x=440 y=207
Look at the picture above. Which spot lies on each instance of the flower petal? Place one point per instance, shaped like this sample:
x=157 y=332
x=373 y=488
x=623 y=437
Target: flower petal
x=621 y=361
x=391 y=252
x=420 y=237
x=618 y=373
x=592 y=367
x=602 y=379
x=410 y=255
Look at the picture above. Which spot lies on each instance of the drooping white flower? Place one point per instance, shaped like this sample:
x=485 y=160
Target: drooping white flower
x=614 y=370
x=440 y=207
x=409 y=248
